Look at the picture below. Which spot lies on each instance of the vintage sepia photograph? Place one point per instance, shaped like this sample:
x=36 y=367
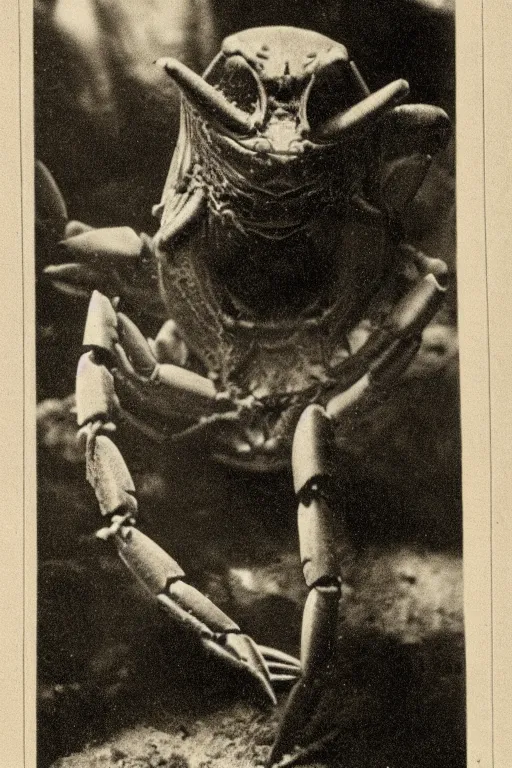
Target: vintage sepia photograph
x=249 y=488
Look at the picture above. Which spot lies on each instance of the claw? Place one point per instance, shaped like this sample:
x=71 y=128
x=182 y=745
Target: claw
x=401 y=180
x=278 y=668
x=116 y=261
x=74 y=227
x=247 y=651
x=241 y=646
x=389 y=366
x=305 y=755
x=174 y=225
x=226 y=657
x=272 y=655
x=408 y=137
x=76 y=292
x=171 y=390
x=77 y=276
x=280 y=672
x=174 y=391
x=168 y=346
x=414 y=128
x=161 y=575
x=136 y=346
x=383 y=372
x=417 y=308
x=405 y=322
x=299 y=707
x=284 y=677
x=115 y=245
x=425 y=264
x=51 y=208
x=345 y=400
x=318 y=636
x=182 y=389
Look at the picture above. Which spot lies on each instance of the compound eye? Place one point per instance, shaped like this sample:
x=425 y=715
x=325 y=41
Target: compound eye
x=238 y=82
x=333 y=89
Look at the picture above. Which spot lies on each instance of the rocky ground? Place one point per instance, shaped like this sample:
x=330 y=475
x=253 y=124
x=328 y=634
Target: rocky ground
x=120 y=686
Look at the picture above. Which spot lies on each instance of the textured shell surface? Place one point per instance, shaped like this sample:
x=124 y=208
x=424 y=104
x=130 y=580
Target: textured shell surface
x=278 y=262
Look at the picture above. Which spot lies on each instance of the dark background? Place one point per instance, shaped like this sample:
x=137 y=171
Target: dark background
x=106 y=126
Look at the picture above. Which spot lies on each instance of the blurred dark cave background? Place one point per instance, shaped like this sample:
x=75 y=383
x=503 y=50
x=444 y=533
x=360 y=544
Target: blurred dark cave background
x=106 y=124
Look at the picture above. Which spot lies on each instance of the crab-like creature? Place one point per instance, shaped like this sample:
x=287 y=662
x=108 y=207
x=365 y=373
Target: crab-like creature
x=292 y=303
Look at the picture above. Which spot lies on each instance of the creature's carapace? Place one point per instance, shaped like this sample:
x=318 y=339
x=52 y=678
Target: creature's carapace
x=280 y=245
x=282 y=206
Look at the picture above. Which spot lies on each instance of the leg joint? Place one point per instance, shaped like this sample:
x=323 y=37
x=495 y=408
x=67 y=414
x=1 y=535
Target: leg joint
x=320 y=486
x=328 y=585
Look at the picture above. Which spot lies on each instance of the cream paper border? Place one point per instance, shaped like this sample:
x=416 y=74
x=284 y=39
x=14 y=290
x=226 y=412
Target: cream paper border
x=17 y=392
x=484 y=248
x=11 y=412
x=497 y=72
x=475 y=383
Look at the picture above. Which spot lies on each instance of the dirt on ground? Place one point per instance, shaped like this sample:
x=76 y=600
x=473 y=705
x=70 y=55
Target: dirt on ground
x=122 y=686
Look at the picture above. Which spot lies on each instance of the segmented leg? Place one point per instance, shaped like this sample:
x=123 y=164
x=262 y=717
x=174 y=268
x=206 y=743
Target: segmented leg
x=373 y=371
x=380 y=361
x=97 y=408
x=167 y=390
x=319 y=536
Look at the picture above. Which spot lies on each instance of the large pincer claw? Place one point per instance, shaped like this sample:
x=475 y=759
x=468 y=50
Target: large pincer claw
x=161 y=575
x=114 y=260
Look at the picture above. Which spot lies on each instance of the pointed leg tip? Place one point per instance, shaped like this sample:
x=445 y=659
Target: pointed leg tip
x=300 y=755
x=267 y=690
x=248 y=652
x=274 y=655
x=263 y=687
x=301 y=701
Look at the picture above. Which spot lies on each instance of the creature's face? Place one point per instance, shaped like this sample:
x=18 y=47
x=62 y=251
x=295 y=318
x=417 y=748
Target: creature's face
x=279 y=106
x=289 y=82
